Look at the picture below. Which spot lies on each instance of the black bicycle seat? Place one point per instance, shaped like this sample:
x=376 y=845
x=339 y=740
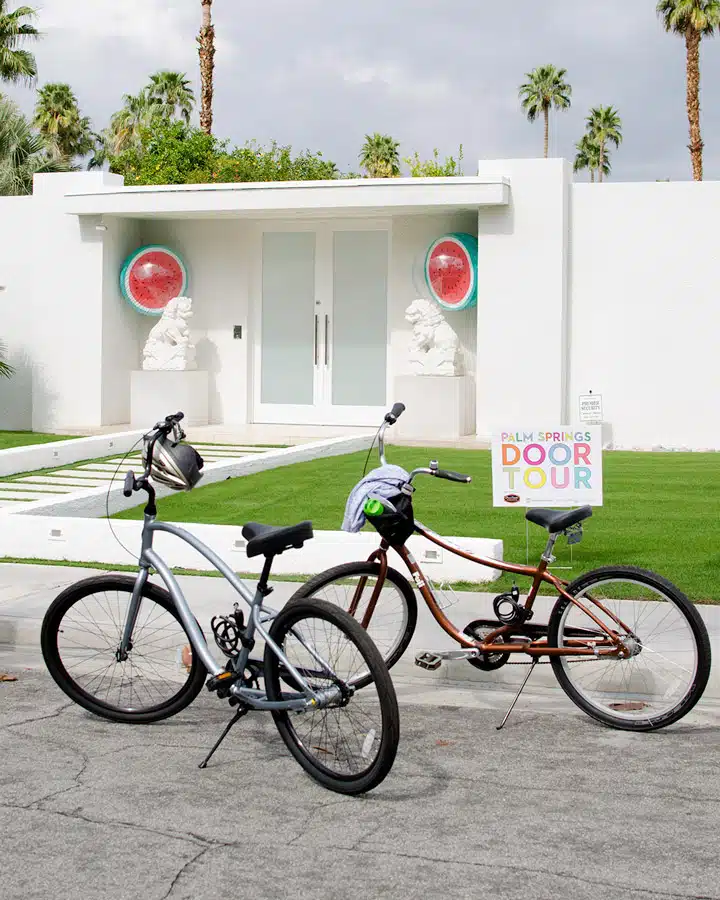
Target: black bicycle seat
x=271 y=541
x=555 y=521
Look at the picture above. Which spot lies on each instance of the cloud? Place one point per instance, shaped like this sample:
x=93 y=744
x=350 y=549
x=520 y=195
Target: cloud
x=321 y=73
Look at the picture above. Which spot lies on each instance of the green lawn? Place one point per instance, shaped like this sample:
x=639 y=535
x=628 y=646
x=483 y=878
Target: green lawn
x=10 y=439
x=660 y=509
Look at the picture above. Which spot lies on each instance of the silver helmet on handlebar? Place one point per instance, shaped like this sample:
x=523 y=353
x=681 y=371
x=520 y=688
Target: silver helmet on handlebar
x=174 y=464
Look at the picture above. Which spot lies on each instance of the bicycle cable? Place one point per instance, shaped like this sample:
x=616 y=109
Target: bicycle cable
x=107 y=497
x=371 y=450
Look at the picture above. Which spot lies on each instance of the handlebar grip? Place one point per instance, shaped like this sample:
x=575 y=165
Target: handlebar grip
x=453 y=476
x=395 y=413
x=129 y=484
x=178 y=417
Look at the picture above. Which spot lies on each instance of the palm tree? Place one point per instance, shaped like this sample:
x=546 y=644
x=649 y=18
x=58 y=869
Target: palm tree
x=127 y=125
x=206 y=44
x=6 y=370
x=16 y=64
x=588 y=157
x=545 y=88
x=57 y=117
x=693 y=20
x=380 y=156
x=22 y=153
x=604 y=127
x=172 y=92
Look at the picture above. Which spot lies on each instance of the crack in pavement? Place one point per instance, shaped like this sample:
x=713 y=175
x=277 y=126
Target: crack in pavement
x=39 y=718
x=184 y=869
x=534 y=870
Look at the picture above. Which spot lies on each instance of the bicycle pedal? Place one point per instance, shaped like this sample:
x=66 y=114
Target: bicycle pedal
x=429 y=661
x=221 y=683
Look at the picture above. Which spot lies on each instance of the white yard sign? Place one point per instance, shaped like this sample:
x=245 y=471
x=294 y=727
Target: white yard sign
x=591 y=408
x=562 y=467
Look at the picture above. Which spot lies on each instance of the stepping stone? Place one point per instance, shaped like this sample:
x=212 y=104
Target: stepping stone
x=9 y=486
x=76 y=473
x=222 y=451
x=98 y=467
x=72 y=483
x=28 y=496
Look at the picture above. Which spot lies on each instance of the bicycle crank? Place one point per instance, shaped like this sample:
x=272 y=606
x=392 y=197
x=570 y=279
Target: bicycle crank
x=431 y=660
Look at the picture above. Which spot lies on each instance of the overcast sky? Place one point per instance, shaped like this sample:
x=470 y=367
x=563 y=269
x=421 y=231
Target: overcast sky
x=320 y=74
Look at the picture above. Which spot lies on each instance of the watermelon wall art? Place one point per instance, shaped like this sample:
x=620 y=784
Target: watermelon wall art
x=151 y=277
x=451 y=270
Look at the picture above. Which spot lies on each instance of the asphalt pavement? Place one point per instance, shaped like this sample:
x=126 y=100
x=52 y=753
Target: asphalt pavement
x=554 y=806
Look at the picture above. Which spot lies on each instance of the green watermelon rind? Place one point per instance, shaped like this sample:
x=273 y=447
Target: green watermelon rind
x=468 y=243
x=130 y=262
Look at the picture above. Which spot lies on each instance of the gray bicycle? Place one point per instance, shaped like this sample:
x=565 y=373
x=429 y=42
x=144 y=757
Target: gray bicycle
x=131 y=651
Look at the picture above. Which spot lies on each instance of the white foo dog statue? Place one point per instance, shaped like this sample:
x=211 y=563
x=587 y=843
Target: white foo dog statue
x=434 y=344
x=168 y=347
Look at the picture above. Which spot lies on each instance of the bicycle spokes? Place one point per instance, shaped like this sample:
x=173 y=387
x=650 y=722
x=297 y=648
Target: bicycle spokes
x=655 y=663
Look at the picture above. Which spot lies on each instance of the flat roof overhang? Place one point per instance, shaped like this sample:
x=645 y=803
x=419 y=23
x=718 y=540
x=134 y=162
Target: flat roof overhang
x=351 y=197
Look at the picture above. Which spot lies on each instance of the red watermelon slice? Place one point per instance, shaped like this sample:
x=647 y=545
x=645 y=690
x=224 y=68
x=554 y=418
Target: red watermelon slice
x=151 y=277
x=451 y=271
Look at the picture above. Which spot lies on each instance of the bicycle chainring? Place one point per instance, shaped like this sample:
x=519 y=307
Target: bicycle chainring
x=488 y=662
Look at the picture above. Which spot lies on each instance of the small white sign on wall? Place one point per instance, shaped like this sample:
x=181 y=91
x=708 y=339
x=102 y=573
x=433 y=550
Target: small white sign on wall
x=540 y=467
x=591 y=408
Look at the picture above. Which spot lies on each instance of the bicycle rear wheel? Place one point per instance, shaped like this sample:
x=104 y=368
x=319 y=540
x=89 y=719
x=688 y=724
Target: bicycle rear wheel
x=80 y=637
x=391 y=623
x=669 y=663
x=350 y=746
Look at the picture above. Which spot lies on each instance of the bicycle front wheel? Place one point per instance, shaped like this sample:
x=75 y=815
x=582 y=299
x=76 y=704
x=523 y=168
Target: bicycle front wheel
x=388 y=611
x=81 y=636
x=667 y=665
x=349 y=746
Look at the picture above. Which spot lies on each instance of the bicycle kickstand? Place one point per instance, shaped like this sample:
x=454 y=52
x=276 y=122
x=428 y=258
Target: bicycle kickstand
x=242 y=711
x=517 y=696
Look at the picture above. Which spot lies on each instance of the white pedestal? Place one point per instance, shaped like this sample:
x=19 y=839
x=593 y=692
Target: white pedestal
x=154 y=395
x=436 y=407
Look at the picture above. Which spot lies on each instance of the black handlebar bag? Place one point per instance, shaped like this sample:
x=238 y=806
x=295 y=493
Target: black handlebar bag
x=395 y=527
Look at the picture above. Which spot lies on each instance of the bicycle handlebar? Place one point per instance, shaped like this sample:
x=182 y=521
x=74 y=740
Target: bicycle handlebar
x=129 y=485
x=390 y=419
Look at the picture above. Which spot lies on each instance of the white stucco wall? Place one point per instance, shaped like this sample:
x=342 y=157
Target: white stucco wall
x=52 y=265
x=522 y=297
x=609 y=288
x=123 y=329
x=645 y=310
x=217 y=253
x=17 y=215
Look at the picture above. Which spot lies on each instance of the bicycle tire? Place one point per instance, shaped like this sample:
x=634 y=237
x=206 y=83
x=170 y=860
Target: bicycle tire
x=399 y=642
x=52 y=627
x=377 y=771
x=657 y=584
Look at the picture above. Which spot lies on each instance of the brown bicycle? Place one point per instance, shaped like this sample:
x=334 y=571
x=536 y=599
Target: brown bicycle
x=624 y=643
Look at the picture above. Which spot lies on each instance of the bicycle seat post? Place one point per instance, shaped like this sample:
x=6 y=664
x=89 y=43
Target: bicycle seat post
x=262 y=586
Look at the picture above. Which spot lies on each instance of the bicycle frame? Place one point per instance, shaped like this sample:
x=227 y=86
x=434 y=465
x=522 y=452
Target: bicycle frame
x=610 y=645
x=257 y=699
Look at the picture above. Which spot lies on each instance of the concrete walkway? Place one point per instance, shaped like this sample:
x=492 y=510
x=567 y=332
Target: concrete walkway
x=60 y=482
x=26 y=592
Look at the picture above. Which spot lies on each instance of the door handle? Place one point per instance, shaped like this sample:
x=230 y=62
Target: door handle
x=316 y=340
x=327 y=350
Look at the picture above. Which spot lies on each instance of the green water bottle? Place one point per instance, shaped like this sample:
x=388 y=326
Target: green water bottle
x=373 y=507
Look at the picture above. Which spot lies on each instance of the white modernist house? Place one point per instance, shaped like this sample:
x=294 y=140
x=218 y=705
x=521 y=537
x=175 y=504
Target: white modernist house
x=300 y=290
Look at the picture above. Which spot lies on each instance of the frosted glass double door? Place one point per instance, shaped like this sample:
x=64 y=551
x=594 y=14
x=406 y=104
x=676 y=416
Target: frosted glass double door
x=322 y=344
